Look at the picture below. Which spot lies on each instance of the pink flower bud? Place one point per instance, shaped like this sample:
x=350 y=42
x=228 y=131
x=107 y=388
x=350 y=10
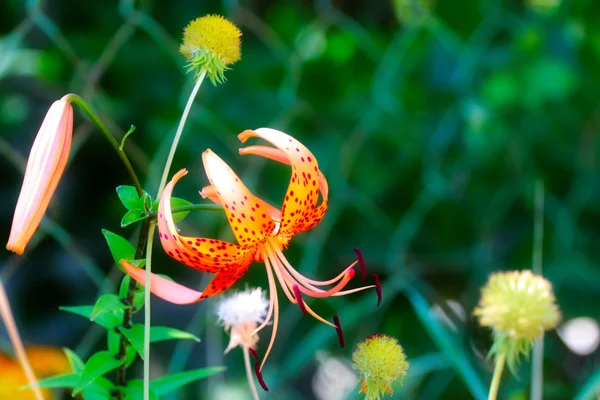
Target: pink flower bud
x=45 y=166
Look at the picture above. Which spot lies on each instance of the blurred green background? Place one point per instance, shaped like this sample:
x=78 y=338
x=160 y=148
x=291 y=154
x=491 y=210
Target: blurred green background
x=433 y=122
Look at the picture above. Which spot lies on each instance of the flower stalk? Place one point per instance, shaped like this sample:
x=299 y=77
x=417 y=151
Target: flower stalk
x=75 y=99
x=500 y=359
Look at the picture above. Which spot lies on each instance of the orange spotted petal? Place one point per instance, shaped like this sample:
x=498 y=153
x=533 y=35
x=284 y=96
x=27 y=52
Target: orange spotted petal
x=179 y=294
x=210 y=193
x=247 y=215
x=208 y=255
x=299 y=211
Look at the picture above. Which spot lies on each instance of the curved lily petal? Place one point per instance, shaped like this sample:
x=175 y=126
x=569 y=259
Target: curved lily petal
x=208 y=255
x=249 y=220
x=210 y=193
x=299 y=211
x=179 y=294
x=163 y=288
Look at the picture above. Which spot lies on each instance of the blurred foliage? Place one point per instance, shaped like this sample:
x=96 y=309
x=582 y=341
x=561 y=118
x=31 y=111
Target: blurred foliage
x=431 y=120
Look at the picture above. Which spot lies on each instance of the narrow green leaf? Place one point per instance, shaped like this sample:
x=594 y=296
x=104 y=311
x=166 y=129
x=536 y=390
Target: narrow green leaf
x=98 y=365
x=175 y=202
x=130 y=356
x=98 y=390
x=107 y=321
x=58 y=381
x=135 y=390
x=445 y=342
x=107 y=303
x=160 y=333
x=147 y=202
x=124 y=288
x=167 y=384
x=129 y=197
x=133 y=216
x=135 y=336
x=120 y=248
x=75 y=362
x=113 y=341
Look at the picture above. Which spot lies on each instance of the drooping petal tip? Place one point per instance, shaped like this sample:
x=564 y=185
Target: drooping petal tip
x=163 y=288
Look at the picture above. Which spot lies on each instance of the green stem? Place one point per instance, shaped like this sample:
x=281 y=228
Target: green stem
x=133 y=286
x=186 y=111
x=147 y=314
x=73 y=98
x=161 y=187
x=497 y=374
x=537 y=372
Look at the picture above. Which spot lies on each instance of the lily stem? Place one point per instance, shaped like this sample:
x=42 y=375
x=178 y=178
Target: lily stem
x=147 y=314
x=497 y=375
x=73 y=98
x=161 y=187
x=133 y=287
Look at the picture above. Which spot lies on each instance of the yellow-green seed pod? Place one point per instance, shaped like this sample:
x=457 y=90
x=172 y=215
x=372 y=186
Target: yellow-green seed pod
x=519 y=306
x=211 y=43
x=380 y=360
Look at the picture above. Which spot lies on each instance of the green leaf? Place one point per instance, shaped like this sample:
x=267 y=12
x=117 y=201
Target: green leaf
x=120 y=248
x=113 y=340
x=98 y=390
x=175 y=202
x=129 y=197
x=133 y=216
x=130 y=356
x=167 y=384
x=135 y=336
x=124 y=288
x=107 y=321
x=75 y=362
x=107 y=303
x=58 y=381
x=135 y=390
x=98 y=365
x=147 y=202
x=160 y=333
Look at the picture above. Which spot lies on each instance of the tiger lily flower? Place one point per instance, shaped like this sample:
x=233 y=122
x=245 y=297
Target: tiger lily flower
x=45 y=166
x=261 y=230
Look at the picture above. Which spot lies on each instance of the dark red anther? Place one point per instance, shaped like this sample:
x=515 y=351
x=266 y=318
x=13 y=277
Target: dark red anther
x=299 y=299
x=260 y=377
x=253 y=353
x=361 y=263
x=377 y=288
x=338 y=329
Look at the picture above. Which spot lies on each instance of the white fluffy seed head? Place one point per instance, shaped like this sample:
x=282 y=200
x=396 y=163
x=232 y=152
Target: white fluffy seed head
x=242 y=308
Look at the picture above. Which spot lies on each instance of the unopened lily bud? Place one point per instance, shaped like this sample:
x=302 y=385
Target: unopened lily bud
x=45 y=166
